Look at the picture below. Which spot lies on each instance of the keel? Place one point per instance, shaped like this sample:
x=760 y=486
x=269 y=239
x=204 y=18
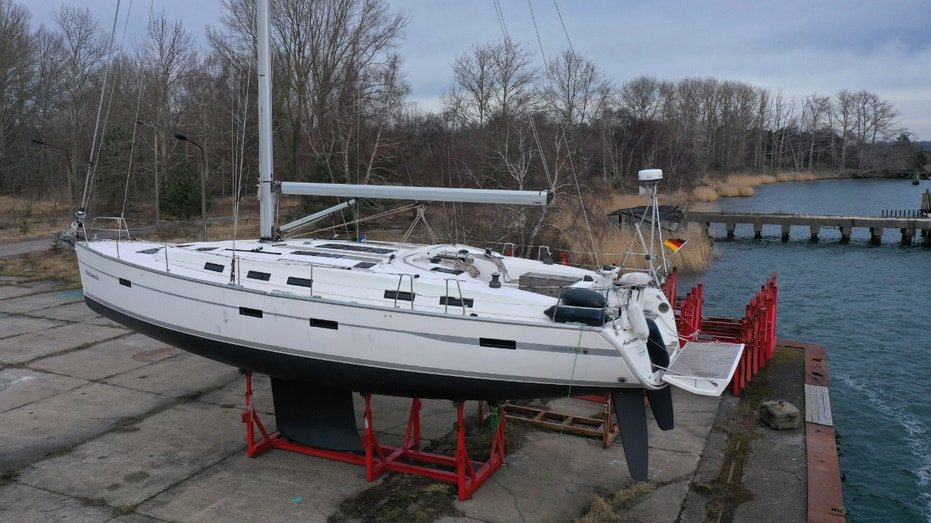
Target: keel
x=316 y=416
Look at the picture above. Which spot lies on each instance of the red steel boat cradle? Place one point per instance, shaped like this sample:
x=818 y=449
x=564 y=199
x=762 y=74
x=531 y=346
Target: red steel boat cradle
x=756 y=330
x=467 y=474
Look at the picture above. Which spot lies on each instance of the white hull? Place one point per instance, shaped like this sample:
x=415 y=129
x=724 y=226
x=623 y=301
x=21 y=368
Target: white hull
x=381 y=339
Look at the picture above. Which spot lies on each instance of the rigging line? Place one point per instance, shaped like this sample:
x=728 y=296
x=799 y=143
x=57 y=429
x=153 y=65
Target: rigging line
x=244 y=100
x=578 y=188
x=103 y=89
x=132 y=148
x=536 y=30
x=561 y=21
x=504 y=28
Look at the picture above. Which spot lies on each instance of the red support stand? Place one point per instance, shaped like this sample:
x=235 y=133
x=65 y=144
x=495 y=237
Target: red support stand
x=467 y=474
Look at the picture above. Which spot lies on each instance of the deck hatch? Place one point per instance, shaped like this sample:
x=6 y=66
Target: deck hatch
x=319 y=254
x=257 y=275
x=324 y=324
x=246 y=311
x=153 y=250
x=497 y=344
x=356 y=248
x=215 y=267
x=364 y=265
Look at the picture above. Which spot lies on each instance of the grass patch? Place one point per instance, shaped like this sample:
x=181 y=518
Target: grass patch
x=58 y=264
x=611 y=507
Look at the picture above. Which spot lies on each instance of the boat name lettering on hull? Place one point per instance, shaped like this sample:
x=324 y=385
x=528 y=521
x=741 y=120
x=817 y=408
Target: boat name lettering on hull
x=92 y=275
x=553 y=348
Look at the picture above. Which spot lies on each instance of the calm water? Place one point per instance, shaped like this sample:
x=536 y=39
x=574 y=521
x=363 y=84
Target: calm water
x=870 y=306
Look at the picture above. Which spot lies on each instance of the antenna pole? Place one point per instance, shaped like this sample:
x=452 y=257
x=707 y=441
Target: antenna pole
x=266 y=202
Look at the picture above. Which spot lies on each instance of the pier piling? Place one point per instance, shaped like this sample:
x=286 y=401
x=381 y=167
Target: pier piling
x=845 y=234
x=908 y=223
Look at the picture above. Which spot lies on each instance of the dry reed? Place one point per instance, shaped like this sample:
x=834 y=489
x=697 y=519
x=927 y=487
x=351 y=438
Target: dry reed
x=704 y=193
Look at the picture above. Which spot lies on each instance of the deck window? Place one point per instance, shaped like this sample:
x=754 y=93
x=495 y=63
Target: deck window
x=497 y=344
x=153 y=250
x=256 y=275
x=300 y=282
x=453 y=301
x=215 y=267
x=364 y=265
x=324 y=324
x=399 y=295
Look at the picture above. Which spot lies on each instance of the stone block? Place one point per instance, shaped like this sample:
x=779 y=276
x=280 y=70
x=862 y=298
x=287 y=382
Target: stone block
x=779 y=415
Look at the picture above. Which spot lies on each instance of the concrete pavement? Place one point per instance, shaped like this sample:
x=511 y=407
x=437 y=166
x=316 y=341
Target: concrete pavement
x=99 y=423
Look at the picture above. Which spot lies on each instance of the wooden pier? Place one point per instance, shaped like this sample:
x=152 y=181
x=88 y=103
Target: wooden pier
x=907 y=226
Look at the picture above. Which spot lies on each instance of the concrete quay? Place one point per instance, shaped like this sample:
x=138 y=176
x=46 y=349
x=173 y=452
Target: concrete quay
x=98 y=423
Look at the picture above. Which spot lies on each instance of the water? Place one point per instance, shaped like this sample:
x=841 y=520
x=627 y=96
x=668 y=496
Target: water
x=869 y=306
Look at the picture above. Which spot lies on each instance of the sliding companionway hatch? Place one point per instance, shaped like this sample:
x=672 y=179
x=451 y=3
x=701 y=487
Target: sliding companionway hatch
x=704 y=368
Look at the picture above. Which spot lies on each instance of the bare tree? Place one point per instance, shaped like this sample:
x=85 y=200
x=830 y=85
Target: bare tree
x=84 y=49
x=168 y=55
x=575 y=90
x=469 y=100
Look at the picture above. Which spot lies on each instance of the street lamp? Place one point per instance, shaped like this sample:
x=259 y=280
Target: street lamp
x=203 y=179
x=155 y=155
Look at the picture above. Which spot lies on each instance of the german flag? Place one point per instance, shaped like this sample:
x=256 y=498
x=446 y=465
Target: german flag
x=675 y=244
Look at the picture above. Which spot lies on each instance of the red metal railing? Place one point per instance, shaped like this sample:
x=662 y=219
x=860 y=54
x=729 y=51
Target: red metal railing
x=688 y=315
x=756 y=330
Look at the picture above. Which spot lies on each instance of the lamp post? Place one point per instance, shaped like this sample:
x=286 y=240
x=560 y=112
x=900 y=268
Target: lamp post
x=66 y=155
x=154 y=155
x=203 y=179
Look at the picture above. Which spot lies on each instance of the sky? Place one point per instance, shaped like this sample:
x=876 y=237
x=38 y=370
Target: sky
x=798 y=47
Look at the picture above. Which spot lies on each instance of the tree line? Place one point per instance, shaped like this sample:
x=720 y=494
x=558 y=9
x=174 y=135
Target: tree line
x=510 y=117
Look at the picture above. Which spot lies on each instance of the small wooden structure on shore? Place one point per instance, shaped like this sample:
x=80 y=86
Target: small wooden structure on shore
x=908 y=226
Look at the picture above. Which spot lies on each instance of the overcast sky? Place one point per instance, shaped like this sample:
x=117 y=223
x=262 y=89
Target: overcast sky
x=797 y=46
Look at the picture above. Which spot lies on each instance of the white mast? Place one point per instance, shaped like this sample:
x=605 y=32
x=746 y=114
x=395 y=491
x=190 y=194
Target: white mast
x=267 y=204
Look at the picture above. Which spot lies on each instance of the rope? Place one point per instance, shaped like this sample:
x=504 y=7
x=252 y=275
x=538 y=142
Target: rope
x=536 y=30
x=103 y=89
x=132 y=148
x=561 y=21
x=375 y=216
x=501 y=22
x=552 y=467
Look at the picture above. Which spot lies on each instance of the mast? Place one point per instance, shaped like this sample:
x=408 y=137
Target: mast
x=266 y=203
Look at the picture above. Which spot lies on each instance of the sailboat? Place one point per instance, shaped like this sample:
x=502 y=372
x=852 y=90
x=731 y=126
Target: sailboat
x=325 y=317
